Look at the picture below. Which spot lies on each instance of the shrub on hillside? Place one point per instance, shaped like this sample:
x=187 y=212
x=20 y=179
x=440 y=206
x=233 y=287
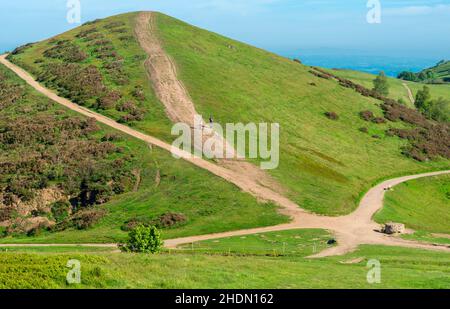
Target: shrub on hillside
x=167 y=220
x=111 y=137
x=66 y=51
x=125 y=38
x=114 y=24
x=75 y=82
x=108 y=100
x=85 y=33
x=9 y=93
x=332 y=115
x=428 y=141
x=378 y=120
x=86 y=218
x=320 y=75
x=394 y=111
x=366 y=115
x=6 y=212
x=91 y=22
x=138 y=93
x=61 y=210
x=100 y=42
x=134 y=113
x=116 y=72
x=363 y=130
x=119 y=30
x=93 y=36
x=61 y=152
x=143 y=239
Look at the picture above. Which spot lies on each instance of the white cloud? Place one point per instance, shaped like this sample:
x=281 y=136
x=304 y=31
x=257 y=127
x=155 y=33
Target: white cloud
x=418 y=10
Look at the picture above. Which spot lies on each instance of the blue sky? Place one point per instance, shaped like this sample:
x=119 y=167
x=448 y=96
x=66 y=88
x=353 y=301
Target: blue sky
x=408 y=27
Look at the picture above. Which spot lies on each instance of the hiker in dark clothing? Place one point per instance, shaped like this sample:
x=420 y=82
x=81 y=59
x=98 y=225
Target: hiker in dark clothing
x=211 y=120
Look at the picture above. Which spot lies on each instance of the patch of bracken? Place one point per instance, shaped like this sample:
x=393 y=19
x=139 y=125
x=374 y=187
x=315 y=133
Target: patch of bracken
x=66 y=51
x=76 y=82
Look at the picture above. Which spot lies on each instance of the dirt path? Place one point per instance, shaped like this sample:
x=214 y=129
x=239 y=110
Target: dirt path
x=162 y=72
x=410 y=94
x=351 y=231
x=245 y=183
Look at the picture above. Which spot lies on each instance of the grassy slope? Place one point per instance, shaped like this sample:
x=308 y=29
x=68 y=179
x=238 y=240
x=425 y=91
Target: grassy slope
x=441 y=71
x=401 y=268
x=156 y=123
x=397 y=90
x=325 y=164
x=422 y=204
x=183 y=188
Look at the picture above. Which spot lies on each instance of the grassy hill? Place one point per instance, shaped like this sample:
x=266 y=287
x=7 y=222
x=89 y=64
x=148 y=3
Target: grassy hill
x=396 y=88
x=438 y=74
x=325 y=165
x=422 y=204
x=180 y=187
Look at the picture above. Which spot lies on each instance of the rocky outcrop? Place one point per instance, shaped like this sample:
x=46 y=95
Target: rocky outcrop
x=393 y=228
x=41 y=202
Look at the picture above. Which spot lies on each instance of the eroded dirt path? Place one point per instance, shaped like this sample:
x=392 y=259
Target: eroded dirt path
x=241 y=180
x=410 y=93
x=350 y=231
x=179 y=107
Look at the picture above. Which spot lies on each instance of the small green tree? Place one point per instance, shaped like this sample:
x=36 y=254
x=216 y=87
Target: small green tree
x=143 y=239
x=423 y=99
x=440 y=110
x=381 y=85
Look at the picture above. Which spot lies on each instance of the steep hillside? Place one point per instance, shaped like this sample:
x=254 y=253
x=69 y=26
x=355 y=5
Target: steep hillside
x=325 y=164
x=99 y=65
x=65 y=178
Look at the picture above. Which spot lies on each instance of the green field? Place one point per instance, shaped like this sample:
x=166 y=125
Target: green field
x=57 y=249
x=396 y=88
x=183 y=188
x=400 y=268
x=285 y=243
x=421 y=204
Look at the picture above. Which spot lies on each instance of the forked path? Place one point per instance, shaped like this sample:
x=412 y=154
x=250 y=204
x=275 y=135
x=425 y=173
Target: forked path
x=351 y=231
